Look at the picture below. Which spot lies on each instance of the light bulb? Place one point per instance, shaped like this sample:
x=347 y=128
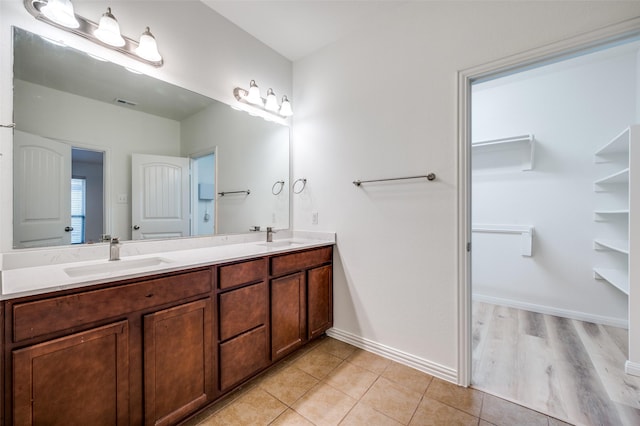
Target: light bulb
x=254 y=94
x=109 y=31
x=272 y=101
x=285 y=108
x=60 y=12
x=148 y=48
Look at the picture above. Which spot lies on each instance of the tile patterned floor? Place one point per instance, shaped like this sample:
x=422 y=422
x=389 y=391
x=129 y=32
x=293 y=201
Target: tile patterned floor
x=333 y=383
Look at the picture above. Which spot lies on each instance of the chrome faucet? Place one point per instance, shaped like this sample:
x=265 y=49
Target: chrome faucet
x=270 y=233
x=114 y=249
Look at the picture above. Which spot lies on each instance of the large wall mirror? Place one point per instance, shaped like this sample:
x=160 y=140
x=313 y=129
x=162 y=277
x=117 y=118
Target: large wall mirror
x=99 y=149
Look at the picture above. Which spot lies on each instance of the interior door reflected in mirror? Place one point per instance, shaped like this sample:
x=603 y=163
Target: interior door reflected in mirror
x=83 y=110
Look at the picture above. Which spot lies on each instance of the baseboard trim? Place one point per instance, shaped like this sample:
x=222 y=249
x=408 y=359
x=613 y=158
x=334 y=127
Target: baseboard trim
x=581 y=316
x=426 y=366
x=632 y=368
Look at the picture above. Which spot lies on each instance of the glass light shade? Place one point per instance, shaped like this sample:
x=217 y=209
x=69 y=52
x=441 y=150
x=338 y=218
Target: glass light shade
x=254 y=94
x=148 y=48
x=272 y=101
x=285 y=108
x=61 y=12
x=109 y=31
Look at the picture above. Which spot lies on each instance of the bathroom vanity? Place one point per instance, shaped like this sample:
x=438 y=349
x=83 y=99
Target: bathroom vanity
x=156 y=346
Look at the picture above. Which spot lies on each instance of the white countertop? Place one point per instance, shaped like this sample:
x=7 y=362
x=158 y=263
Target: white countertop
x=25 y=279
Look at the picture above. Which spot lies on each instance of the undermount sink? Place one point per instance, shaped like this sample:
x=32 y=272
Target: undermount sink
x=281 y=243
x=113 y=266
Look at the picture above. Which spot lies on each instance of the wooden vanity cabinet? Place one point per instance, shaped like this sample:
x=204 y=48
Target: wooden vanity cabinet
x=135 y=352
x=301 y=287
x=158 y=349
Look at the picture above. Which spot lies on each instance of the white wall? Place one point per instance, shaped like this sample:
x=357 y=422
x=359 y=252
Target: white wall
x=382 y=103
x=102 y=127
x=573 y=108
x=261 y=147
x=202 y=51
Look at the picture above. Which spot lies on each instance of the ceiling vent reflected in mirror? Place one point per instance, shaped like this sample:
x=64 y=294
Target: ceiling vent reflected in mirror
x=60 y=14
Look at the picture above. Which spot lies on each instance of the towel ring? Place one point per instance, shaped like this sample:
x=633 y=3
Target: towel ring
x=275 y=191
x=304 y=184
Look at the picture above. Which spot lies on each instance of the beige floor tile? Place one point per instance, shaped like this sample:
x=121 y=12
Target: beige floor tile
x=555 y=422
x=485 y=423
x=408 y=377
x=465 y=399
x=392 y=400
x=336 y=348
x=324 y=405
x=351 y=379
x=362 y=414
x=317 y=363
x=256 y=407
x=431 y=412
x=501 y=412
x=291 y=418
x=288 y=384
x=369 y=361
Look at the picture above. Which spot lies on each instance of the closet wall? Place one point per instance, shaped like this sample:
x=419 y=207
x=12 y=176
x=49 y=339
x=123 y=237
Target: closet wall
x=572 y=108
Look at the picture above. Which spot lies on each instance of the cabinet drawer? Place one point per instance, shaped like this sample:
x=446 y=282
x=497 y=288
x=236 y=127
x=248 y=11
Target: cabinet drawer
x=243 y=356
x=32 y=319
x=242 y=310
x=242 y=273
x=298 y=261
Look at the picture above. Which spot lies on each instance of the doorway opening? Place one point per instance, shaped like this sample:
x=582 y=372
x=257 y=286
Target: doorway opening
x=87 y=196
x=203 y=173
x=547 y=316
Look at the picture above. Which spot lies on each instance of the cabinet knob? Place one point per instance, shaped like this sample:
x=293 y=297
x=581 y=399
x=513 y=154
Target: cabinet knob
x=136 y=227
x=68 y=228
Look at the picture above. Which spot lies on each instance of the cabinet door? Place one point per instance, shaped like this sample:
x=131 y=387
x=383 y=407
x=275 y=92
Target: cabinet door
x=288 y=314
x=319 y=300
x=81 y=379
x=177 y=361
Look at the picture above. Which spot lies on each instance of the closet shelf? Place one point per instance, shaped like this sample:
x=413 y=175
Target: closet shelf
x=621 y=246
x=619 y=177
x=522 y=140
x=620 y=211
x=616 y=277
x=617 y=145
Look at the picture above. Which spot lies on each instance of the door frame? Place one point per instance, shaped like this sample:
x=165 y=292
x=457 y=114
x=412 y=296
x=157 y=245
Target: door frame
x=563 y=49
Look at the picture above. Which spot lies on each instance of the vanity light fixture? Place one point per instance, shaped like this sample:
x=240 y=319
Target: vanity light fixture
x=60 y=14
x=267 y=108
x=253 y=96
x=109 y=30
x=285 y=107
x=271 y=104
x=148 y=48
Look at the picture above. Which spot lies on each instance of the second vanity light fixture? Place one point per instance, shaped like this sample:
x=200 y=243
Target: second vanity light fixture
x=60 y=14
x=269 y=105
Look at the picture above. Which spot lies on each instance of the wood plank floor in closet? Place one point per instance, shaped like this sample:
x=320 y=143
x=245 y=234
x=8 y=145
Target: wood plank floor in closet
x=570 y=369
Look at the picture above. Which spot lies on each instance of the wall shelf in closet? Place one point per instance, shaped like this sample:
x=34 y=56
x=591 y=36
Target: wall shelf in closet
x=525 y=232
x=616 y=154
x=621 y=246
x=616 y=277
x=617 y=145
x=526 y=141
x=621 y=176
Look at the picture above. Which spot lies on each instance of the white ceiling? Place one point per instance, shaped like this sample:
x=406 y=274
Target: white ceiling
x=296 y=28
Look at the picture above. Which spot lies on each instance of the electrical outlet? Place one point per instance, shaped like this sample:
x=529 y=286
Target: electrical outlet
x=314 y=218
x=122 y=198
